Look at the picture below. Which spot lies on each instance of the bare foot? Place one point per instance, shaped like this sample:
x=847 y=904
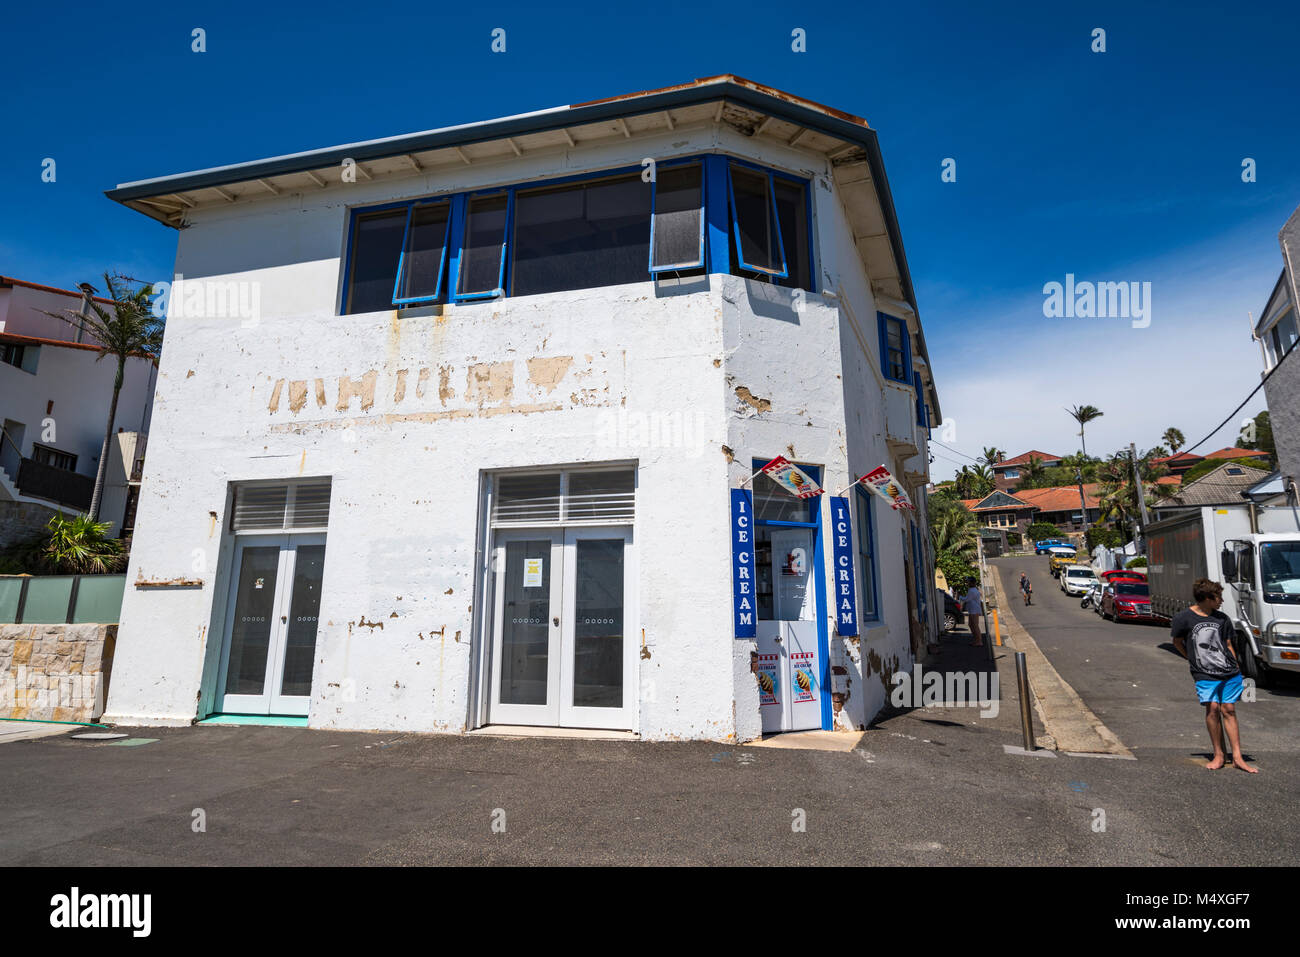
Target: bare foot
x=1240 y=763
x=1216 y=763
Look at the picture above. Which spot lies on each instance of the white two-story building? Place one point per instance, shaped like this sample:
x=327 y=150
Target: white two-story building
x=448 y=427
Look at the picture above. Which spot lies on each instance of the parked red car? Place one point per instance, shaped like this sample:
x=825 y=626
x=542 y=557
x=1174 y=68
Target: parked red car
x=1123 y=573
x=1127 y=601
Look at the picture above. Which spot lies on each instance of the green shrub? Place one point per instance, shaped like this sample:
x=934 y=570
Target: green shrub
x=1139 y=562
x=1108 y=537
x=68 y=546
x=1041 y=530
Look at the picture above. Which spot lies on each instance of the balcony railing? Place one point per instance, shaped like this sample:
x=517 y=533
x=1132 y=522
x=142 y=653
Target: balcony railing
x=54 y=484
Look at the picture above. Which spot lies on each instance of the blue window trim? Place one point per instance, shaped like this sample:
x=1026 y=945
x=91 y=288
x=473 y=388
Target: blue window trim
x=654 y=210
x=866 y=502
x=717 y=212
x=718 y=225
x=918 y=569
x=500 y=290
x=922 y=414
x=401 y=258
x=771 y=209
x=882 y=321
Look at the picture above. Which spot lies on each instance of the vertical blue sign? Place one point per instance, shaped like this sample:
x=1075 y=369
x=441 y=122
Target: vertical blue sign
x=742 y=562
x=846 y=605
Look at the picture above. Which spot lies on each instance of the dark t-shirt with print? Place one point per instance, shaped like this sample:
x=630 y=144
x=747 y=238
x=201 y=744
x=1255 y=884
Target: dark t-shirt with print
x=1206 y=638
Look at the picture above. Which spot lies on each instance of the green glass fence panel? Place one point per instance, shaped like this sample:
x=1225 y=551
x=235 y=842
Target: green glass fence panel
x=99 y=599
x=47 y=600
x=10 y=589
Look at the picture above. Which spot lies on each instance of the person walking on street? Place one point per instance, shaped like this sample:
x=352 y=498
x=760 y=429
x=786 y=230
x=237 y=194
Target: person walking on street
x=1026 y=589
x=1215 y=667
x=974 y=605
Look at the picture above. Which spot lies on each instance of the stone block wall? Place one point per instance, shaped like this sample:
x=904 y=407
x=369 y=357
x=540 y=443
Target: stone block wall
x=22 y=521
x=55 y=672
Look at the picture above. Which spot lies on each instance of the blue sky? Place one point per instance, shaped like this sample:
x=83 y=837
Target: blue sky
x=1115 y=166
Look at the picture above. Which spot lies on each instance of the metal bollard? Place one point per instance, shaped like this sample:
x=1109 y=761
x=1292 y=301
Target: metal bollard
x=1026 y=718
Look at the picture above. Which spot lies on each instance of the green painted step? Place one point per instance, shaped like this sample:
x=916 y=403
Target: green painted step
x=273 y=720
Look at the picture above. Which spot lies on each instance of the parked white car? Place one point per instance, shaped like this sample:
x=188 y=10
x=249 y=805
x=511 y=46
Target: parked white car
x=1077 y=579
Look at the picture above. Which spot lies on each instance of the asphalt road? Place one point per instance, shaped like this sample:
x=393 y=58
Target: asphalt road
x=939 y=785
x=1129 y=674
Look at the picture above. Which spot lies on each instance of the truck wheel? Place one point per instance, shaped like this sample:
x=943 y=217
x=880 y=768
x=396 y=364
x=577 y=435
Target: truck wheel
x=1249 y=665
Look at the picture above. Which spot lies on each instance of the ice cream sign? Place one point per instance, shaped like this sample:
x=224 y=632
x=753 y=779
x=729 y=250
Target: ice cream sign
x=883 y=483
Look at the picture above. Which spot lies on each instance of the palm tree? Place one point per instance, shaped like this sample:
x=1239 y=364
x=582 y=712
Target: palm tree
x=1174 y=439
x=72 y=546
x=1083 y=414
x=128 y=328
x=992 y=455
x=1034 y=470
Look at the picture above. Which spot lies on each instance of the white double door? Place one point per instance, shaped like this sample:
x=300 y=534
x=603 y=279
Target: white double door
x=789 y=665
x=270 y=639
x=563 y=652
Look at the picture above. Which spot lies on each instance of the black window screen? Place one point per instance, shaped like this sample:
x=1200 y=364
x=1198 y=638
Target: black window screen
x=679 y=218
x=755 y=222
x=485 y=234
x=422 y=259
x=581 y=236
x=376 y=246
x=792 y=214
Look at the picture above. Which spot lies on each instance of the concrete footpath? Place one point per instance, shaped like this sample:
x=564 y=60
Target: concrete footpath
x=1070 y=723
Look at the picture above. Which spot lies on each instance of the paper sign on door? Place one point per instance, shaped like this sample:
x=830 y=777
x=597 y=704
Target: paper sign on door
x=802 y=677
x=533 y=572
x=769 y=684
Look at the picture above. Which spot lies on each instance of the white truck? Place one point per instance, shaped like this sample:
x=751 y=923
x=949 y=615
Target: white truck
x=1254 y=553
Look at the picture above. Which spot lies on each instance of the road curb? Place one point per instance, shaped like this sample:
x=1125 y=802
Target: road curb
x=1071 y=723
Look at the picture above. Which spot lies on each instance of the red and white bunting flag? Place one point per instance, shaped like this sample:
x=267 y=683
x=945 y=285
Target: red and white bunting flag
x=880 y=481
x=791 y=478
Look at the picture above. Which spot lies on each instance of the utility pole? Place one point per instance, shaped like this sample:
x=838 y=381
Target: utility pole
x=1142 y=500
x=1083 y=503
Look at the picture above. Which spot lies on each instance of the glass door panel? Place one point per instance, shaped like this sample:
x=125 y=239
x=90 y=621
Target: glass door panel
x=526 y=636
x=597 y=643
x=253 y=621
x=598 y=624
x=297 y=653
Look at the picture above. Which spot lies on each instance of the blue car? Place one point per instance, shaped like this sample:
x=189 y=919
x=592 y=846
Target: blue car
x=1041 y=548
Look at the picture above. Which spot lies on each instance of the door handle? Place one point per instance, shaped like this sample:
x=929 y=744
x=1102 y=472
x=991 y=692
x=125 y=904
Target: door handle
x=555 y=622
x=284 y=619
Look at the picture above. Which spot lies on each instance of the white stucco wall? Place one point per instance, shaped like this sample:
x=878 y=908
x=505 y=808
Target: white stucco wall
x=527 y=381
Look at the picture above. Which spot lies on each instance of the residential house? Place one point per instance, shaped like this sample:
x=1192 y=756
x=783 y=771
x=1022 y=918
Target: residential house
x=471 y=439
x=1180 y=463
x=1058 y=505
x=1228 y=484
x=54 y=399
x=1008 y=473
x=1278 y=331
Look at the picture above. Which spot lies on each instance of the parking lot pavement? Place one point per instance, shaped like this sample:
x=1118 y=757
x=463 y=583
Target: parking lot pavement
x=1131 y=676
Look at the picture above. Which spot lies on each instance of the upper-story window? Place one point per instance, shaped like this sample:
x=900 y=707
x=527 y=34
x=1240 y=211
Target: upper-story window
x=45 y=455
x=769 y=226
x=582 y=232
x=895 y=349
x=1280 y=337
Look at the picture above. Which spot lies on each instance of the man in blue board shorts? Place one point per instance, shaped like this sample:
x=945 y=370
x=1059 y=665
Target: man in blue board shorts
x=1204 y=636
